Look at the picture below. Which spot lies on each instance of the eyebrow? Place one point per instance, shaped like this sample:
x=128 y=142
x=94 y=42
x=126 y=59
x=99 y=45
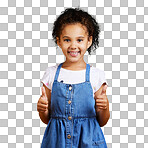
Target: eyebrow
x=69 y=37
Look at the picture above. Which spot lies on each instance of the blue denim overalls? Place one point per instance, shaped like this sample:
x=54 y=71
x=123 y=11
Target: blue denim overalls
x=73 y=122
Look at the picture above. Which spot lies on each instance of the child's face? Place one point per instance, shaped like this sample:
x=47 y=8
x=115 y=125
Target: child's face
x=74 y=42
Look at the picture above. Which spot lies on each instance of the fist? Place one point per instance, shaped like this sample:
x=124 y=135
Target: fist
x=101 y=101
x=42 y=105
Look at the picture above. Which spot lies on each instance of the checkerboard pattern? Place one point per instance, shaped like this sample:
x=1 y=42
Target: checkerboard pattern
x=27 y=49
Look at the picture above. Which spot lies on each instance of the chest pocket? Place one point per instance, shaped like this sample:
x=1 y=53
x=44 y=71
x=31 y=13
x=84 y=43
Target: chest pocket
x=83 y=100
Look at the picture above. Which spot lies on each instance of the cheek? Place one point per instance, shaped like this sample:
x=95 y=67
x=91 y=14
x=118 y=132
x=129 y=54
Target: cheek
x=64 y=47
x=83 y=46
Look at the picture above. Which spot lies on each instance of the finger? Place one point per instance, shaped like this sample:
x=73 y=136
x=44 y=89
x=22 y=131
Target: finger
x=100 y=108
x=97 y=109
x=104 y=108
x=42 y=101
x=101 y=105
x=104 y=90
x=41 y=110
x=42 y=107
x=100 y=97
x=43 y=91
x=101 y=100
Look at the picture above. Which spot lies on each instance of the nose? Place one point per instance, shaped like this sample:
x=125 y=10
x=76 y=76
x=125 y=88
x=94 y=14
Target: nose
x=73 y=45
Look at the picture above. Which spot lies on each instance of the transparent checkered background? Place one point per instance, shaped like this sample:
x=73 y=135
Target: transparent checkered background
x=27 y=49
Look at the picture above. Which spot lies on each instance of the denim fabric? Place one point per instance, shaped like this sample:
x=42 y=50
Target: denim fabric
x=73 y=122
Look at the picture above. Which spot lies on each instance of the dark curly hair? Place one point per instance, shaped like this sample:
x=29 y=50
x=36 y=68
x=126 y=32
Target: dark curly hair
x=76 y=15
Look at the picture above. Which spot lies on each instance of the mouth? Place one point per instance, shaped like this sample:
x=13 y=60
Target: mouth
x=74 y=53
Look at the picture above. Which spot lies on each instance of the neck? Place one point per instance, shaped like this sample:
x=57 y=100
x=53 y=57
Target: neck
x=74 y=65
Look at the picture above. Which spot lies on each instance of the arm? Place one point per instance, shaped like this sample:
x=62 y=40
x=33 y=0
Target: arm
x=102 y=106
x=45 y=115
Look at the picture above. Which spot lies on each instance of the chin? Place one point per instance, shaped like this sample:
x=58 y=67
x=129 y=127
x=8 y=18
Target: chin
x=72 y=60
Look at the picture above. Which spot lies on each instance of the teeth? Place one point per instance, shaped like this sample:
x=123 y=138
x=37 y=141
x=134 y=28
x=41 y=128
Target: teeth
x=73 y=52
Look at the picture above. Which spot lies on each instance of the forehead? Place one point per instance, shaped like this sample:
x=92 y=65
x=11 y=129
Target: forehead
x=74 y=29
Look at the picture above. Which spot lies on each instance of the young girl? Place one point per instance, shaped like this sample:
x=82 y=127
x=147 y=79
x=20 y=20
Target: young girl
x=73 y=101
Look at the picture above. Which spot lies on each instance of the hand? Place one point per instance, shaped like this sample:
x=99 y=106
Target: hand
x=42 y=105
x=101 y=101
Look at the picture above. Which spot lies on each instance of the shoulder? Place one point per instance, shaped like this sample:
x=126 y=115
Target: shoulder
x=51 y=68
x=96 y=71
x=50 y=72
x=97 y=77
x=48 y=76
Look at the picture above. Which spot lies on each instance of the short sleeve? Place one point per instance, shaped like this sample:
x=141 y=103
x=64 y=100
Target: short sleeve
x=46 y=78
x=101 y=80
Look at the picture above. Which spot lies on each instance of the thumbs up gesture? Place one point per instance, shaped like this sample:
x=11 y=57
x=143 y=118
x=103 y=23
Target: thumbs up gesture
x=101 y=101
x=42 y=105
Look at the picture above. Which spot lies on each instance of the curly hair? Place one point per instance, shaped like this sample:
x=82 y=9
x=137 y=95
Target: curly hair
x=76 y=15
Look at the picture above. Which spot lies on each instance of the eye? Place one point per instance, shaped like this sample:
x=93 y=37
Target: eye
x=66 y=40
x=80 y=40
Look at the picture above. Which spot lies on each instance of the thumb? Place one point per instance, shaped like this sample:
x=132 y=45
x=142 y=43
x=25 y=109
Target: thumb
x=104 y=90
x=43 y=92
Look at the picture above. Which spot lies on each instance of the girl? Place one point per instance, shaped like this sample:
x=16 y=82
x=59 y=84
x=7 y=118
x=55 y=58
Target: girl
x=73 y=101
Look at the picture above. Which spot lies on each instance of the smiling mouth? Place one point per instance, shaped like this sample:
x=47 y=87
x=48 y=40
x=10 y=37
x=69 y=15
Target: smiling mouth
x=74 y=53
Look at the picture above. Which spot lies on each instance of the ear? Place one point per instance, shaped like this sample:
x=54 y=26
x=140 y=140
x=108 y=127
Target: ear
x=89 y=41
x=58 y=41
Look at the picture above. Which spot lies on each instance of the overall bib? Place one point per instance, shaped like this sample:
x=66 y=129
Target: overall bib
x=73 y=122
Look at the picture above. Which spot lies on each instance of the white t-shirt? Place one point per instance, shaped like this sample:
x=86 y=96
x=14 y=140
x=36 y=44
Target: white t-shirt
x=97 y=77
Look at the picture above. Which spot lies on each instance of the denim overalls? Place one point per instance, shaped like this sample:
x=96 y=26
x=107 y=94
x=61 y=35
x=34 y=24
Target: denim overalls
x=73 y=122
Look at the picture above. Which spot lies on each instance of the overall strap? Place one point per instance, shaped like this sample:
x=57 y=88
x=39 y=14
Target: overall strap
x=57 y=72
x=87 y=73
